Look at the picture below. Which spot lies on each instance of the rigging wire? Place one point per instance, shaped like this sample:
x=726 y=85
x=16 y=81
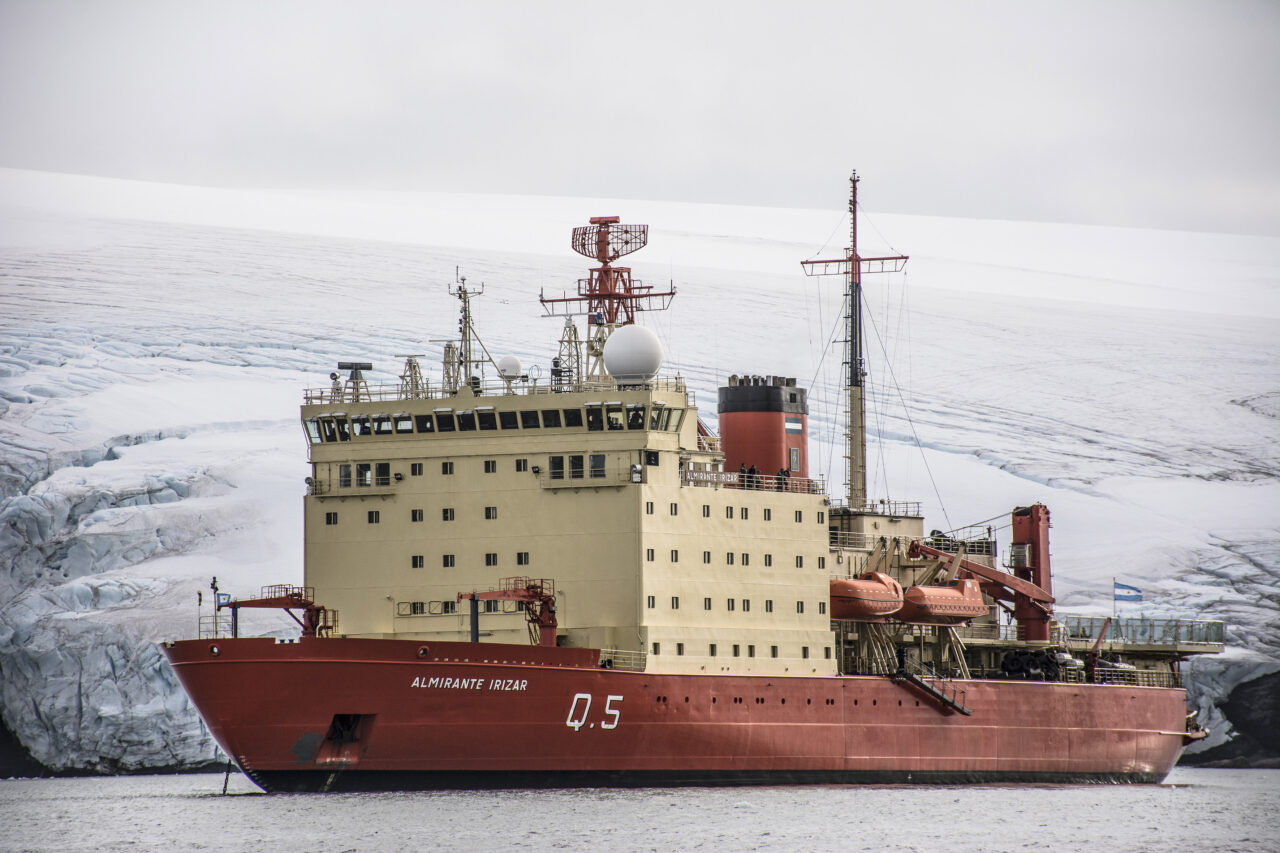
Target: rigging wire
x=835 y=330
x=910 y=421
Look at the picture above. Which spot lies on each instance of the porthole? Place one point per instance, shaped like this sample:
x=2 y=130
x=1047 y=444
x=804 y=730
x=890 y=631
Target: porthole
x=214 y=650
x=423 y=651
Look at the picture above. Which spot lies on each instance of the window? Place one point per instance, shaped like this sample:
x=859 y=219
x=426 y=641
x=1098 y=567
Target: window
x=675 y=509
x=595 y=418
x=799 y=562
x=768 y=560
x=706 y=510
x=374 y=516
x=522 y=464
x=736 y=649
x=613 y=417
x=492 y=606
x=652 y=601
x=657 y=648
x=711 y=649
x=424 y=423
x=822 y=562
x=491 y=466
x=751 y=651
x=804 y=652
x=679 y=648
x=746 y=605
x=417 y=608
x=404 y=423
x=444 y=422
x=382 y=425
x=596 y=463
x=415 y=469
x=551 y=418
x=447 y=607
x=529 y=420
x=555 y=467
x=446 y=468
x=522 y=558
x=447 y=562
x=490 y=513
x=382 y=474
x=648 y=507
x=344 y=476
x=446 y=514
x=649 y=555
x=728 y=558
x=742 y=513
x=651 y=458
x=822 y=607
x=415 y=515
x=799 y=606
x=491 y=559
x=675 y=602
x=575 y=467
x=487 y=420
x=768 y=514
x=364 y=474
x=730 y=605
x=746 y=559
x=418 y=561
x=466 y=421
x=728 y=512
x=360 y=426
x=330 y=518
x=706 y=604
x=635 y=416
x=706 y=557
x=313 y=430
x=508 y=420
x=768 y=605
x=675 y=555
x=826 y=652
x=773 y=651
x=573 y=417
x=799 y=516
x=822 y=517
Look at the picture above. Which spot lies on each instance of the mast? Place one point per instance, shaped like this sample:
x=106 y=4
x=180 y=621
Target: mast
x=853 y=266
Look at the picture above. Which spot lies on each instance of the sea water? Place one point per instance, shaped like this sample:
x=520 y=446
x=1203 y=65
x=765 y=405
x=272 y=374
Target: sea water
x=1196 y=809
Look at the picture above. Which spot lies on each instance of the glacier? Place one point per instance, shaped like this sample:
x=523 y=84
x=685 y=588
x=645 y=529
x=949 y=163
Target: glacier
x=154 y=340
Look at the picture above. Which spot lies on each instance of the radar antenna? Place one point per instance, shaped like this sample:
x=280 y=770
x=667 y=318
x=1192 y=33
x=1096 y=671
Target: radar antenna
x=609 y=297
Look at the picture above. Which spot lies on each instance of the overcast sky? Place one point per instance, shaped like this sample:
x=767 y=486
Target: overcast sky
x=1159 y=114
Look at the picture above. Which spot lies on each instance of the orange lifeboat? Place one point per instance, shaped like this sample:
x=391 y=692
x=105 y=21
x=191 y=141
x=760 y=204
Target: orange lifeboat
x=868 y=598
x=948 y=604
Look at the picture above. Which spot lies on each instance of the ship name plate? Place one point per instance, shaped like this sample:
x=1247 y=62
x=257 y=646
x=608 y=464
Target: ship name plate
x=439 y=682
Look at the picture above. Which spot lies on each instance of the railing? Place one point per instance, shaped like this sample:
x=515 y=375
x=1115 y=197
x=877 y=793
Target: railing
x=709 y=443
x=975 y=547
x=213 y=627
x=858 y=541
x=1102 y=675
x=910 y=509
x=367 y=393
x=622 y=659
x=1145 y=632
x=756 y=482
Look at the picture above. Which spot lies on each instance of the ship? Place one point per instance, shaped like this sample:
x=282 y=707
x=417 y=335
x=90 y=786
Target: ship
x=520 y=580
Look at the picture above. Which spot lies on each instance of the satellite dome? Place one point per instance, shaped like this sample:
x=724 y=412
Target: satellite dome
x=632 y=355
x=509 y=366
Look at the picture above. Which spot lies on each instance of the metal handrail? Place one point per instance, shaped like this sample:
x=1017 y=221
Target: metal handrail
x=370 y=393
x=1145 y=632
x=623 y=659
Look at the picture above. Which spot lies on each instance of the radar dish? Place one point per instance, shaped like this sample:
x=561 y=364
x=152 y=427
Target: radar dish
x=632 y=355
x=605 y=240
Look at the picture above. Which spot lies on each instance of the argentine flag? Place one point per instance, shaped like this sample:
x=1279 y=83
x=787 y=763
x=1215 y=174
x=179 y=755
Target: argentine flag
x=1124 y=592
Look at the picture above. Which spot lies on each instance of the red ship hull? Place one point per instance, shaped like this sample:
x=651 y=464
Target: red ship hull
x=349 y=714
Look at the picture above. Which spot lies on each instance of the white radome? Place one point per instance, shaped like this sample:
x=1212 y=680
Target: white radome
x=509 y=366
x=632 y=355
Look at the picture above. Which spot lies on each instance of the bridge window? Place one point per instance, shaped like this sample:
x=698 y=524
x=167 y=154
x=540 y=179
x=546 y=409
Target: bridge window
x=635 y=417
x=614 y=417
x=573 y=417
x=344 y=476
x=444 y=422
x=595 y=418
x=466 y=421
x=424 y=423
x=382 y=425
x=575 y=467
x=508 y=420
x=529 y=420
x=551 y=418
x=313 y=430
x=404 y=422
x=360 y=426
x=487 y=420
